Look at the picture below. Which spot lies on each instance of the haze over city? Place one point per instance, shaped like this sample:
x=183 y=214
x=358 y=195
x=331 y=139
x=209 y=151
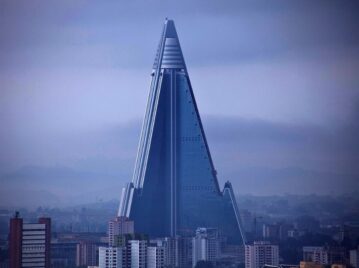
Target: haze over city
x=276 y=85
x=179 y=134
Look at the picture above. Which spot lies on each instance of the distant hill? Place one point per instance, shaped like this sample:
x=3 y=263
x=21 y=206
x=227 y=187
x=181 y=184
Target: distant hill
x=63 y=186
x=57 y=187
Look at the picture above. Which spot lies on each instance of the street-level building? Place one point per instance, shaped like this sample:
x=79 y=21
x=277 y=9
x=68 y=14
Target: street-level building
x=29 y=243
x=261 y=253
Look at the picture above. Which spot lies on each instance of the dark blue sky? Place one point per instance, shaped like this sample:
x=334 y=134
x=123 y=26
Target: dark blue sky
x=277 y=85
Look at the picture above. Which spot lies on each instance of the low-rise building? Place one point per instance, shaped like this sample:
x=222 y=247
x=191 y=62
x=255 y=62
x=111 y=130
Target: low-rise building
x=324 y=255
x=261 y=253
x=205 y=245
x=310 y=264
x=155 y=256
x=354 y=257
x=110 y=257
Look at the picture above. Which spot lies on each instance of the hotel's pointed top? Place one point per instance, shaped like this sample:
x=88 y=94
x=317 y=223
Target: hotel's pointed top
x=169 y=53
x=170 y=29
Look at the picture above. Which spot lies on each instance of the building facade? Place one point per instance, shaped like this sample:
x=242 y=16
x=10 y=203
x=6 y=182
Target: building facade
x=315 y=254
x=271 y=231
x=29 y=244
x=354 y=257
x=87 y=253
x=175 y=188
x=324 y=255
x=138 y=253
x=177 y=250
x=309 y=264
x=261 y=253
x=156 y=256
x=119 y=226
x=205 y=246
x=63 y=254
x=110 y=257
x=15 y=241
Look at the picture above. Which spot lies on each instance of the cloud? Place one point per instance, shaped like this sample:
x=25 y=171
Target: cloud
x=277 y=83
x=259 y=157
x=44 y=34
x=238 y=144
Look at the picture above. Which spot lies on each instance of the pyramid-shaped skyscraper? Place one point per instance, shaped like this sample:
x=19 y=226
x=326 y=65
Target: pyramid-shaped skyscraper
x=175 y=188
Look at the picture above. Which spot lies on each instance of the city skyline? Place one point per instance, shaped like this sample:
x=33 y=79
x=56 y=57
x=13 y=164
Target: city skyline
x=74 y=82
x=231 y=142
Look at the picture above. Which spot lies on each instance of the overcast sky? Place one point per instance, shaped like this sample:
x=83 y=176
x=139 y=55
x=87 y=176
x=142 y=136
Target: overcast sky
x=276 y=82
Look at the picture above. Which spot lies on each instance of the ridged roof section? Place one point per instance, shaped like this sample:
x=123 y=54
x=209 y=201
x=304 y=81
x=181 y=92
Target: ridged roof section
x=169 y=53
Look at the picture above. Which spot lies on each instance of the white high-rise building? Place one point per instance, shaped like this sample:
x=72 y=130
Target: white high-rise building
x=261 y=253
x=110 y=257
x=155 y=256
x=205 y=245
x=138 y=253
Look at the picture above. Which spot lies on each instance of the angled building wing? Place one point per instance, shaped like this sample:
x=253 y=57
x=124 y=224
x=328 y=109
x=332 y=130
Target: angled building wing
x=175 y=188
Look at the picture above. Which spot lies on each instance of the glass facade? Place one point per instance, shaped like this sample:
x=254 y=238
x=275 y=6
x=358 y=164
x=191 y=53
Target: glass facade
x=175 y=188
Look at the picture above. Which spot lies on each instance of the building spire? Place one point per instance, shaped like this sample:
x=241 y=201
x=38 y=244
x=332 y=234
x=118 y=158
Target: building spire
x=169 y=53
